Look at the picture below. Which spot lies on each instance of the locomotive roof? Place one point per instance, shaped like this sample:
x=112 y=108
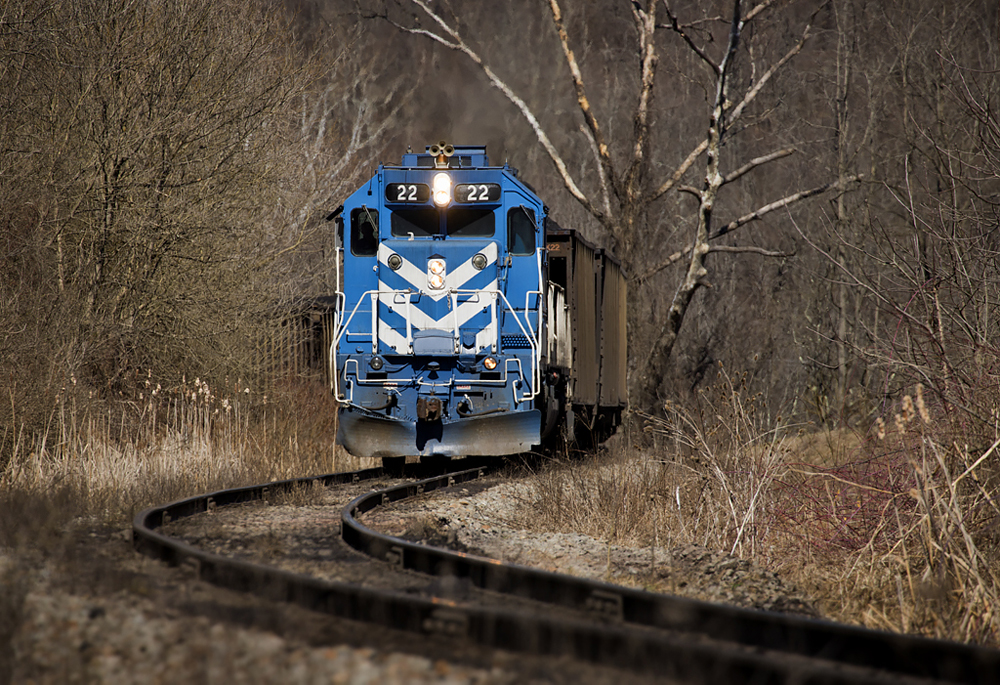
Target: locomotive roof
x=465 y=156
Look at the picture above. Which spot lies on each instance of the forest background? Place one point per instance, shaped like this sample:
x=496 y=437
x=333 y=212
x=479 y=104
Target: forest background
x=805 y=195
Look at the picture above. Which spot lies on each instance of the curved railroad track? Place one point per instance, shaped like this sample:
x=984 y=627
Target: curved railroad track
x=521 y=609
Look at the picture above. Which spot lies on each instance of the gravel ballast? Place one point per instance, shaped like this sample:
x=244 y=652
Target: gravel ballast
x=95 y=611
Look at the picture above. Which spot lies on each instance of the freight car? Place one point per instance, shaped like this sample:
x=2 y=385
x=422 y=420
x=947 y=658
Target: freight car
x=468 y=322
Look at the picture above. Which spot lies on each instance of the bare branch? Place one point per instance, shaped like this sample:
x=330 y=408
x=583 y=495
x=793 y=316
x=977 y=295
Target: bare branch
x=526 y=112
x=646 y=26
x=672 y=259
x=738 y=249
x=605 y=195
x=679 y=30
x=735 y=113
x=752 y=94
x=853 y=279
x=783 y=202
x=758 y=9
x=754 y=163
x=606 y=167
x=747 y=218
x=680 y=171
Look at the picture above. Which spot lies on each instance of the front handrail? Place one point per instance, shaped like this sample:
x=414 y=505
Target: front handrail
x=341 y=328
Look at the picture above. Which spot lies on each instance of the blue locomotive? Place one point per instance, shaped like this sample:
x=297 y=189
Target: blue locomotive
x=468 y=323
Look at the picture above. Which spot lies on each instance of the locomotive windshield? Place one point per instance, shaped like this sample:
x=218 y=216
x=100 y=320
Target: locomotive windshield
x=421 y=222
x=364 y=232
x=460 y=222
x=472 y=222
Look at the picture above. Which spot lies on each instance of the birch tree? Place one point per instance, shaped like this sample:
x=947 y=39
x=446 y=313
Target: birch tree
x=625 y=183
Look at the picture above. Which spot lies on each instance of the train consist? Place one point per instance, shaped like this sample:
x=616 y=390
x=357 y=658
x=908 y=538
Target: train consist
x=468 y=322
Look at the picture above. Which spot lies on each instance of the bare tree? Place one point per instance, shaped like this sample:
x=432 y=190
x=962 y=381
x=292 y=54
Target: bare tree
x=346 y=117
x=928 y=261
x=626 y=182
x=147 y=144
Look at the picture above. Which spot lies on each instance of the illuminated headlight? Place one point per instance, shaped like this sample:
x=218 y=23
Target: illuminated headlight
x=436 y=273
x=490 y=363
x=394 y=261
x=479 y=261
x=441 y=189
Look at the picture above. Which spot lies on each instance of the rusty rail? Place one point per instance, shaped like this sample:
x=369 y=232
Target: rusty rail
x=687 y=640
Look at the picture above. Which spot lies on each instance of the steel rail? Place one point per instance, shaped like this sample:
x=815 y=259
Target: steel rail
x=890 y=653
x=610 y=631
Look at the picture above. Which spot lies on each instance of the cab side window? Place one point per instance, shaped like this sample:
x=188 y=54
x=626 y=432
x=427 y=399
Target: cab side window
x=521 y=231
x=364 y=232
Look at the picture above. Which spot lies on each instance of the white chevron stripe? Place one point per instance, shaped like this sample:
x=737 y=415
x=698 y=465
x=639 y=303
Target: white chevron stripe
x=457 y=278
x=422 y=320
x=410 y=273
x=485 y=338
x=417 y=276
x=419 y=319
x=393 y=339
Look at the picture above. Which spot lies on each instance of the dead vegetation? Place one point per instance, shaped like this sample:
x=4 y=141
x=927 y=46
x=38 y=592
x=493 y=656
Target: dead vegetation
x=136 y=234
x=894 y=530
x=164 y=443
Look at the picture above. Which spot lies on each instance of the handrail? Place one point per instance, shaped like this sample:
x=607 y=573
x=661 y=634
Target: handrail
x=341 y=326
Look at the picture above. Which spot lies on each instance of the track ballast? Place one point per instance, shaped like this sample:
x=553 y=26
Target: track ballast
x=526 y=610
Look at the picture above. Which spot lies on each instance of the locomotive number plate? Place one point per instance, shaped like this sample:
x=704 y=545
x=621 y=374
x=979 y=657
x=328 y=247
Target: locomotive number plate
x=477 y=192
x=407 y=192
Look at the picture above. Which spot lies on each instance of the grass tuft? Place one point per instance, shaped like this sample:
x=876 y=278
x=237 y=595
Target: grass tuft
x=896 y=530
x=106 y=461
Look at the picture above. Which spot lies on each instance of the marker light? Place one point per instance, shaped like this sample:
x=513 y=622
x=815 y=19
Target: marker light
x=441 y=189
x=490 y=363
x=479 y=261
x=394 y=261
x=436 y=273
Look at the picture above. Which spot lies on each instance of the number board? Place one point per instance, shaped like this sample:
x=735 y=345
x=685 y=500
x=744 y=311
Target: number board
x=477 y=192
x=407 y=192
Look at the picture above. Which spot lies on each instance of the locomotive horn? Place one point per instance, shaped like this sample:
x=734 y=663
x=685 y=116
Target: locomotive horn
x=440 y=153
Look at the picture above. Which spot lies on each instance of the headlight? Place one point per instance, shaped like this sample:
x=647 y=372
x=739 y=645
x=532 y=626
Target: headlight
x=436 y=270
x=479 y=261
x=441 y=189
x=375 y=363
x=490 y=363
x=394 y=261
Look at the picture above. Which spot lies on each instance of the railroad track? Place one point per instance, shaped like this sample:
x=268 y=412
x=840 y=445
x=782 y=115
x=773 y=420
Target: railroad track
x=521 y=609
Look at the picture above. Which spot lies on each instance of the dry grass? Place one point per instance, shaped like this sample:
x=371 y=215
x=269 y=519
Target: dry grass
x=105 y=461
x=905 y=536
x=707 y=479
x=898 y=533
x=895 y=530
x=98 y=463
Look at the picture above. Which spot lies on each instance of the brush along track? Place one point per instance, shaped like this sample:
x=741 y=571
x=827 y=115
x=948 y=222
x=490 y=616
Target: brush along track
x=504 y=606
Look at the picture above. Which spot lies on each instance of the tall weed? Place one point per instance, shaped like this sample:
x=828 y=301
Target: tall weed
x=164 y=443
x=898 y=529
